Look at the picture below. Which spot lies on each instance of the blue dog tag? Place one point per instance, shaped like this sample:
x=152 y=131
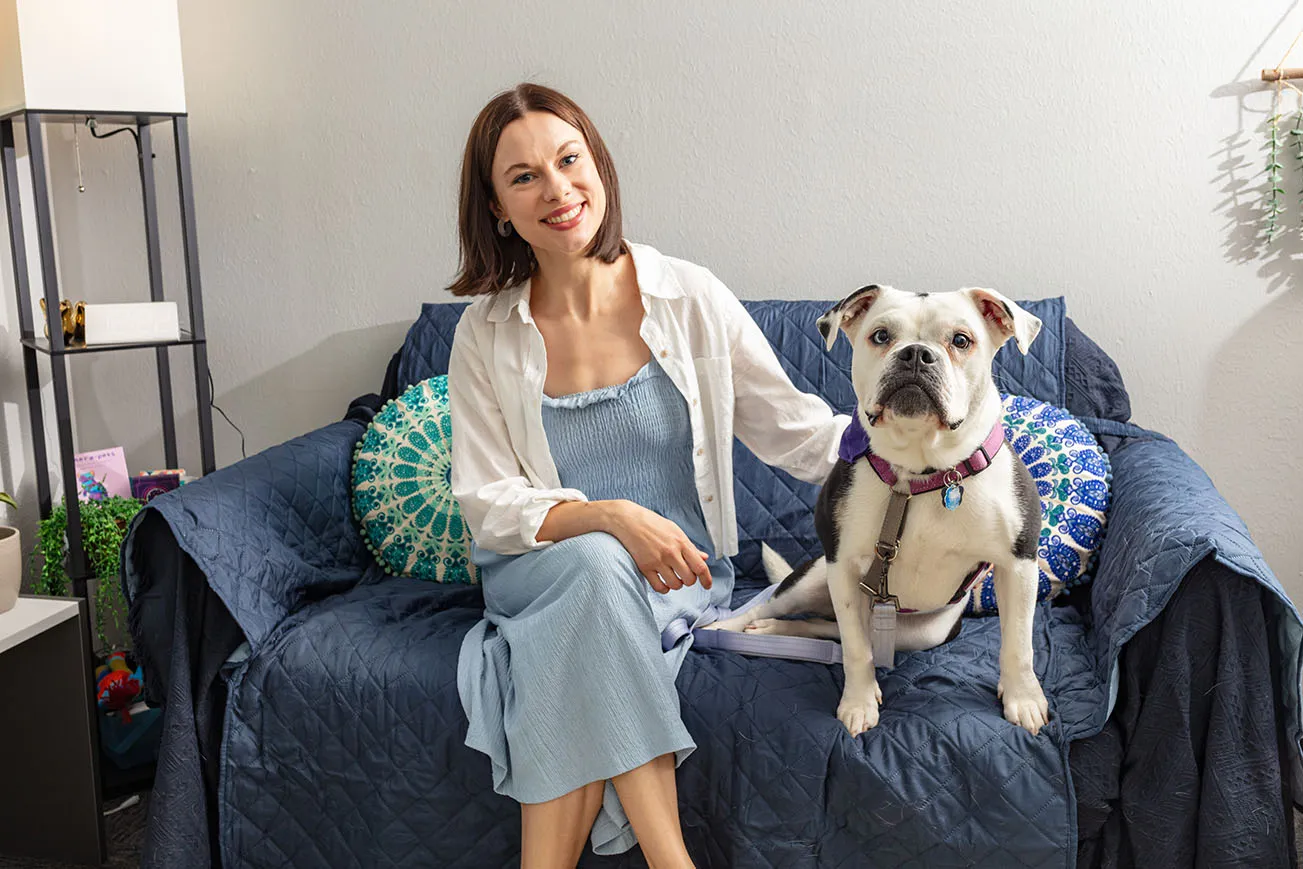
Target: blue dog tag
x=952 y=496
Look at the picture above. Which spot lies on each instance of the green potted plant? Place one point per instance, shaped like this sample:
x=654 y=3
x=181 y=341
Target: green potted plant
x=11 y=560
x=104 y=525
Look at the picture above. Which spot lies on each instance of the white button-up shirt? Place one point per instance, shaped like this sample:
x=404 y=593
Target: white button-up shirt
x=503 y=475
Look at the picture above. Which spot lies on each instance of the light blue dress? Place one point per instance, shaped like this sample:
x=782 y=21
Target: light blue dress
x=564 y=681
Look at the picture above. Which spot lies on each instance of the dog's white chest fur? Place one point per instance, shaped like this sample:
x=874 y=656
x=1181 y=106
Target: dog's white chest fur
x=938 y=547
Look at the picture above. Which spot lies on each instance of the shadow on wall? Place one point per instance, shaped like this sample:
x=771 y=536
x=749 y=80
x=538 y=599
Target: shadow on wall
x=1254 y=380
x=1242 y=157
x=1252 y=406
x=306 y=392
x=1241 y=179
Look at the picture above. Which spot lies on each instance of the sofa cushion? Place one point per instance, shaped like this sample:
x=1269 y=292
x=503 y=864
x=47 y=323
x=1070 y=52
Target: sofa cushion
x=1072 y=477
x=402 y=489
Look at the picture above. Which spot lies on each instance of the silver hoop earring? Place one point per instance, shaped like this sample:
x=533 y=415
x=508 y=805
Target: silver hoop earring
x=504 y=228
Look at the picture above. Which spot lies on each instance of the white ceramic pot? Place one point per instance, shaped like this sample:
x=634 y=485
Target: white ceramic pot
x=11 y=567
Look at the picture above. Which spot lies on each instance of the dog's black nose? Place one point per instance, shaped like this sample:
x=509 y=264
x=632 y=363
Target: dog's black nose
x=916 y=355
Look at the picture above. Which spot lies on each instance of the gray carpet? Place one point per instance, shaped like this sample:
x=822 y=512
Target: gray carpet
x=125 y=835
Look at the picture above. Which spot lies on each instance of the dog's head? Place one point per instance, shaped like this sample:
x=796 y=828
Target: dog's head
x=922 y=361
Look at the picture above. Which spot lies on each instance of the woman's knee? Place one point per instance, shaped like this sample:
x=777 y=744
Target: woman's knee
x=602 y=566
x=596 y=549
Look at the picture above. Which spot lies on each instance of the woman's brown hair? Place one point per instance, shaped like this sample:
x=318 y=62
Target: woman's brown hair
x=490 y=263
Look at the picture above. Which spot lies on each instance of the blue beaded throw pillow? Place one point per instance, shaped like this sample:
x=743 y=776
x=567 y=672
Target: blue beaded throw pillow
x=402 y=488
x=1072 y=476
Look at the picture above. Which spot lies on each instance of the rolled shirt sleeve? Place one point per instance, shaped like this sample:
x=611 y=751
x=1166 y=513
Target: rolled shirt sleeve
x=502 y=507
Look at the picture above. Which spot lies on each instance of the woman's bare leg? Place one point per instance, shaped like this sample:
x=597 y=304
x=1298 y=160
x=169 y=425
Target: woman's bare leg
x=552 y=834
x=651 y=801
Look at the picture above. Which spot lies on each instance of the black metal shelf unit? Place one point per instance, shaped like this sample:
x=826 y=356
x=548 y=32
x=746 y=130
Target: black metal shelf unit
x=54 y=347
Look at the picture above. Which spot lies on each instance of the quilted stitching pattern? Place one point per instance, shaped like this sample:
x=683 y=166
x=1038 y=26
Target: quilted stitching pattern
x=429 y=343
x=346 y=738
x=1166 y=516
x=272 y=531
x=343 y=744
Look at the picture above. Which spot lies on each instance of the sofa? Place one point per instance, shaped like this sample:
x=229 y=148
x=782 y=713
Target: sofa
x=312 y=717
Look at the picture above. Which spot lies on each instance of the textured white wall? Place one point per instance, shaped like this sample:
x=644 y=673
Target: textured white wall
x=1107 y=152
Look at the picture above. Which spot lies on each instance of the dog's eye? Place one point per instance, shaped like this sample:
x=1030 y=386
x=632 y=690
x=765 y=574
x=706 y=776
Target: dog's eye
x=880 y=337
x=961 y=341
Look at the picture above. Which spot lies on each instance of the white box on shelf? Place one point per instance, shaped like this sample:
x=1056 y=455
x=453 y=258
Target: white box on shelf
x=129 y=322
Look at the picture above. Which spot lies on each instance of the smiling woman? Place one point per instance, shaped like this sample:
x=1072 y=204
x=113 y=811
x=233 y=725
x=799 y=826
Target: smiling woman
x=502 y=235
x=595 y=387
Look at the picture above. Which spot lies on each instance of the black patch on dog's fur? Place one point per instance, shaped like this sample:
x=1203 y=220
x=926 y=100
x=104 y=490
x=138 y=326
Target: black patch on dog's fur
x=794 y=577
x=825 y=509
x=1029 y=505
x=825 y=327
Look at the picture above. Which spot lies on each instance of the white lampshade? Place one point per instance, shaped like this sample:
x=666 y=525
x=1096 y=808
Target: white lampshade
x=91 y=56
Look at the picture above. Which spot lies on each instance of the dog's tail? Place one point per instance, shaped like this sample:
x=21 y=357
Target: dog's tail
x=776 y=567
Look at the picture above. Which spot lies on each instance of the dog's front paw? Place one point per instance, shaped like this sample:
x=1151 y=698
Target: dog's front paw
x=1025 y=704
x=765 y=626
x=737 y=623
x=860 y=713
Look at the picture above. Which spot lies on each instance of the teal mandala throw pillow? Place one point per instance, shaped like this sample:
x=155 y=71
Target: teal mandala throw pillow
x=402 y=488
x=1072 y=476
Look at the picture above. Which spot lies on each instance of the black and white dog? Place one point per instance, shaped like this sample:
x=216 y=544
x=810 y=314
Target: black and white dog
x=921 y=368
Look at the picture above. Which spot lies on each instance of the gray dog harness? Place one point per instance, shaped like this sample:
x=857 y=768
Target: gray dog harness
x=886 y=605
x=875 y=583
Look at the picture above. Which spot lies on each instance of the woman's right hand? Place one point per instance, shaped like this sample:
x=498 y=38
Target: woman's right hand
x=664 y=554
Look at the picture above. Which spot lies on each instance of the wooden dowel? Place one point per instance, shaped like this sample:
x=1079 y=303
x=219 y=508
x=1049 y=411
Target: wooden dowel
x=1278 y=74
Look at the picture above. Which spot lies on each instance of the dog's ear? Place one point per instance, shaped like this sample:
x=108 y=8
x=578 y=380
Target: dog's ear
x=844 y=314
x=1007 y=319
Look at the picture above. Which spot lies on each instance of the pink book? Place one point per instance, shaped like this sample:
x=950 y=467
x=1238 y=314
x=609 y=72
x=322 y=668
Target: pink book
x=102 y=473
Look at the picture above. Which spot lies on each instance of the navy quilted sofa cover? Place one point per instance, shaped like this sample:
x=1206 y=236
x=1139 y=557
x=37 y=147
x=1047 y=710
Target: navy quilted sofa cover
x=343 y=730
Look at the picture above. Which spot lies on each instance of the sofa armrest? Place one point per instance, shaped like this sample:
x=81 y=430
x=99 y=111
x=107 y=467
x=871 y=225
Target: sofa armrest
x=1193 y=767
x=272 y=531
x=1166 y=516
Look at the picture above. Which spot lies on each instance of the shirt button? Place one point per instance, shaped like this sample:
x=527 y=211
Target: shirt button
x=664 y=353
x=709 y=498
x=694 y=402
x=700 y=451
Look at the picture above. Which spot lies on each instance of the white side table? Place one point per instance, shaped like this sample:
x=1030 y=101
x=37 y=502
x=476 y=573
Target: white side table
x=50 y=805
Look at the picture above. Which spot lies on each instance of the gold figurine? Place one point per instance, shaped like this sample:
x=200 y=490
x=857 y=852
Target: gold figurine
x=74 y=322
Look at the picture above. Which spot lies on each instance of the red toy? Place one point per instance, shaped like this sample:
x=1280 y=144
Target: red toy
x=116 y=685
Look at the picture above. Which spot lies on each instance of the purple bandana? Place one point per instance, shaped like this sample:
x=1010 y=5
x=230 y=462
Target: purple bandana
x=855 y=440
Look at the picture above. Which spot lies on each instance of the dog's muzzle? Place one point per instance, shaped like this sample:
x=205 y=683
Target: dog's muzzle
x=913 y=384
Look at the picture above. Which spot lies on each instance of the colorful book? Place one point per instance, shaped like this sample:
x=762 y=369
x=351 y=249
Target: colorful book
x=149 y=485
x=102 y=473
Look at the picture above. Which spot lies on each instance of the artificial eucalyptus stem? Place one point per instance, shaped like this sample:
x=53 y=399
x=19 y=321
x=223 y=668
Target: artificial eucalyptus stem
x=1274 y=178
x=1297 y=135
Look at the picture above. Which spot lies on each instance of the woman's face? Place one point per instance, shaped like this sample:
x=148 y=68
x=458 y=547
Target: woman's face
x=546 y=183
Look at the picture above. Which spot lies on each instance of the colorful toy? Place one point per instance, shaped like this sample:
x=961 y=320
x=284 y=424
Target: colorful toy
x=92 y=488
x=116 y=685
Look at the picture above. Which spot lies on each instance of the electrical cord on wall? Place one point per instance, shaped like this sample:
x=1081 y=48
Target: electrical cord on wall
x=93 y=125
x=212 y=391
